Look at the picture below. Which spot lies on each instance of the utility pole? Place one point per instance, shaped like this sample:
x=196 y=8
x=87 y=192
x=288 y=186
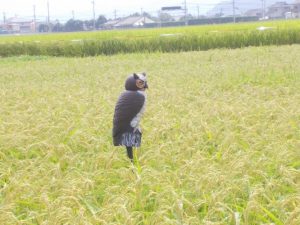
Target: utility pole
x=233 y=10
x=4 y=17
x=115 y=13
x=94 y=16
x=159 y=17
x=263 y=2
x=198 y=10
x=49 y=29
x=262 y=9
x=73 y=15
x=34 y=19
x=185 y=13
x=142 y=15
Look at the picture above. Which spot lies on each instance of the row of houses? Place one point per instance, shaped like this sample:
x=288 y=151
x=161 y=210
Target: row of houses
x=17 y=25
x=22 y=25
x=279 y=10
x=128 y=22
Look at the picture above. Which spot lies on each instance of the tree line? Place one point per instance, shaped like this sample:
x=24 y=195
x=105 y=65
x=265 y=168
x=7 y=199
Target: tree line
x=73 y=25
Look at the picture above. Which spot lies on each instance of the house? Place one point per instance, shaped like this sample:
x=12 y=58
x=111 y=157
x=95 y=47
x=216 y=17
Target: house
x=133 y=22
x=296 y=9
x=110 y=24
x=3 y=29
x=2 y=26
x=279 y=10
x=254 y=12
x=20 y=25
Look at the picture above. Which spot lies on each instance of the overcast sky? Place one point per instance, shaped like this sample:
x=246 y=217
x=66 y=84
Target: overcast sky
x=62 y=9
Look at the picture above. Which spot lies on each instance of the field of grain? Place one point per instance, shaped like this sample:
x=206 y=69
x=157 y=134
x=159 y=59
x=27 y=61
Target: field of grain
x=221 y=139
x=138 y=34
x=175 y=39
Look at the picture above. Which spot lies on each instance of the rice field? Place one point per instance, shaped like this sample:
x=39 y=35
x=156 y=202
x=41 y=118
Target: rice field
x=220 y=146
x=176 y=39
x=138 y=34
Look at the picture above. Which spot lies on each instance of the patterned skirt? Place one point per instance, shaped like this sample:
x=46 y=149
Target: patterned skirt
x=131 y=139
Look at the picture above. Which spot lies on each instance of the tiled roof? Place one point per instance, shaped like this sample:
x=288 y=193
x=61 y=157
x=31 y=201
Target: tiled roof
x=133 y=20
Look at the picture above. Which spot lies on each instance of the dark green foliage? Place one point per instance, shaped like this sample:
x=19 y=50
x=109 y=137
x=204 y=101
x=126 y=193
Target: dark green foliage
x=74 y=25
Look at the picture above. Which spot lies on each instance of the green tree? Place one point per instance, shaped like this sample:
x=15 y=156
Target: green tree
x=58 y=27
x=74 y=25
x=43 y=28
x=100 y=21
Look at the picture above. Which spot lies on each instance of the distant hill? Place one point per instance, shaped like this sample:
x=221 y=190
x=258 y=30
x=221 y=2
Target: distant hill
x=242 y=6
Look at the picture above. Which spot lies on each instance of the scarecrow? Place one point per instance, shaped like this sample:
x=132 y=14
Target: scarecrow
x=128 y=113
